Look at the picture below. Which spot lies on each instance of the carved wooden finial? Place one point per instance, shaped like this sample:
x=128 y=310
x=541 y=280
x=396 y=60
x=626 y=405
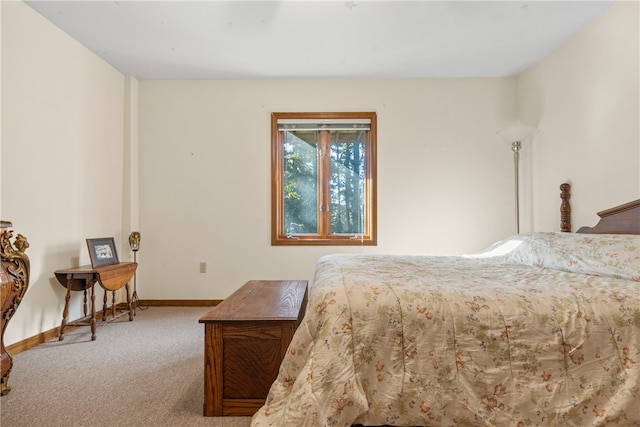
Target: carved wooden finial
x=565 y=207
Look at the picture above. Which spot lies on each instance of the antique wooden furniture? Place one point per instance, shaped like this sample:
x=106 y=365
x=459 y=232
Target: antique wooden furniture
x=14 y=281
x=565 y=207
x=618 y=220
x=245 y=339
x=623 y=219
x=110 y=277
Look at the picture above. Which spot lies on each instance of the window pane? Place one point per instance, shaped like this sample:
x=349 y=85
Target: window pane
x=323 y=183
x=300 y=149
x=347 y=181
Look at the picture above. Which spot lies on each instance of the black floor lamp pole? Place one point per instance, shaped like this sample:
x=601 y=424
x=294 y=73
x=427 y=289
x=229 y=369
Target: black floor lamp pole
x=134 y=242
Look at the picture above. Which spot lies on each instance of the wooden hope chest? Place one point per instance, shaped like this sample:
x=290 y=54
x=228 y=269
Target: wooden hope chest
x=245 y=339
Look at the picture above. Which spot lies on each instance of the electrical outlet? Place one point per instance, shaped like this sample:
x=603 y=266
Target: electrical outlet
x=203 y=267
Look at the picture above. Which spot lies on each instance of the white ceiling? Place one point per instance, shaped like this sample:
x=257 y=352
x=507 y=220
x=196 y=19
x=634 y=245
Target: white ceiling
x=320 y=39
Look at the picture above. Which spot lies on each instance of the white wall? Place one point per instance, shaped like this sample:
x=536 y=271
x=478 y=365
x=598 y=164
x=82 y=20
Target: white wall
x=444 y=177
x=585 y=99
x=62 y=158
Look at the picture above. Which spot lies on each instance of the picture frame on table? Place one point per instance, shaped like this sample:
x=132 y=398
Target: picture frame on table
x=102 y=251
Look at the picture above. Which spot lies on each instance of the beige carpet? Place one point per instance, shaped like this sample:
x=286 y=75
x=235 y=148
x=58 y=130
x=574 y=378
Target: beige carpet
x=148 y=372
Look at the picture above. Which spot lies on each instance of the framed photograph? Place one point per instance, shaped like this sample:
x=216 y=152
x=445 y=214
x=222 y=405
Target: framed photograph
x=102 y=252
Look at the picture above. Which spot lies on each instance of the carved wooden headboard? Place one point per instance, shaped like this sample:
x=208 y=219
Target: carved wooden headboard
x=623 y=219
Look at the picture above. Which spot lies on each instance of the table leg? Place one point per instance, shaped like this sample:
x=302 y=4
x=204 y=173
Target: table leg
x=65 y=312
x=104 y=306
x=113 y=305
x=85 y=303
x=93 y=312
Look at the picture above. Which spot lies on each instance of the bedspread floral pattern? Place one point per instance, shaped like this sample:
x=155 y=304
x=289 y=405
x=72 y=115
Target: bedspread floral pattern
x=614 y=255
x=452 y=341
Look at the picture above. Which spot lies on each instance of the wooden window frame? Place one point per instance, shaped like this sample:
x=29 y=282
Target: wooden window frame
x=323 y=238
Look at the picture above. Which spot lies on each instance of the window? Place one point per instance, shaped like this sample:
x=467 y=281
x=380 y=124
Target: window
x=323 y=179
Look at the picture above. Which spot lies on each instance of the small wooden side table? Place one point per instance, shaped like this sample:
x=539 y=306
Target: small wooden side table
x=110 y=277
x=245 y=338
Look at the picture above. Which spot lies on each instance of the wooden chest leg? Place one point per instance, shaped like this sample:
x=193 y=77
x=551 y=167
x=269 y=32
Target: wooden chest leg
x=213 y=383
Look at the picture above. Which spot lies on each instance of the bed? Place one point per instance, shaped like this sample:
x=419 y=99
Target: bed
x=541 y=329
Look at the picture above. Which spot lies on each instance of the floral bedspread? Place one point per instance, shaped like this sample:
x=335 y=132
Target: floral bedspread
x=462 y=341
